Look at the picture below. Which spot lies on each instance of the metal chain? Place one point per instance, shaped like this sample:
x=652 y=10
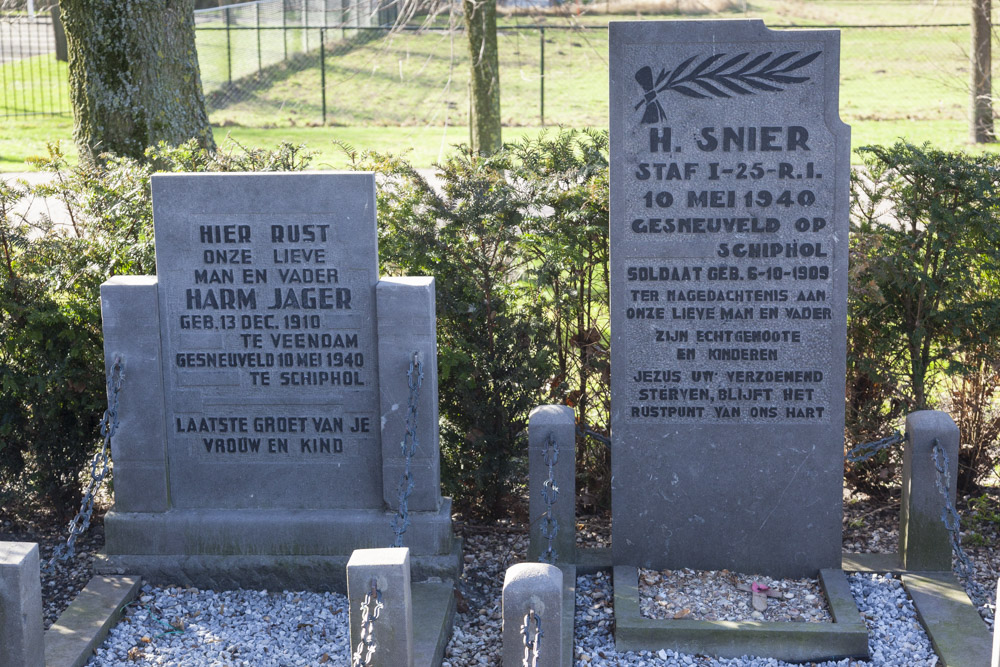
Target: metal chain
x=952 y=522
x=414 y=378
x=369 y=614
x=866 y=450
x=590 y=433
x=109 y=425
x=550 y=527
x=531 y=646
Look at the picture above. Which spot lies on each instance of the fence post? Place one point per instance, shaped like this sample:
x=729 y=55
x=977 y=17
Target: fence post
x=284 y=26
x=541 y=79
x=21 y=640
x=229 y=50
x=259 y=59
x=995 y=660
x=924 y=544
x=379 y=580
x=322 y=68
x=532 y=615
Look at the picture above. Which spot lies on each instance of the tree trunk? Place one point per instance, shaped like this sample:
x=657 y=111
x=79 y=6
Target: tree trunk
x=982 y=100
x=134 y=77
x=484 y=90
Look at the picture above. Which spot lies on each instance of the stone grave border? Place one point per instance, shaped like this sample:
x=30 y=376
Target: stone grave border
x=846 y=637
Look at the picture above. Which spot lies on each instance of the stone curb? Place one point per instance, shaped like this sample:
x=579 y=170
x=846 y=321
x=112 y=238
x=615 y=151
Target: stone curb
x=846 y=637
x=957 y=632
x=71 y=640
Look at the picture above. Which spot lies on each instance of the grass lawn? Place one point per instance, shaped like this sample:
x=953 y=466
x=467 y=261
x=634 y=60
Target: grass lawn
x=409 y=90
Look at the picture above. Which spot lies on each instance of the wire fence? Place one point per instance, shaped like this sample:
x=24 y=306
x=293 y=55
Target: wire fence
x=281 y=63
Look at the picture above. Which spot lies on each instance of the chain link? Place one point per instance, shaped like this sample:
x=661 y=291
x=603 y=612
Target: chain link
x=531 y=645
x=109 y=425
x=414 y=379
x=866 y=450
x=550 y=527
x=590 y=433
x=371 y=609
x=952 y=522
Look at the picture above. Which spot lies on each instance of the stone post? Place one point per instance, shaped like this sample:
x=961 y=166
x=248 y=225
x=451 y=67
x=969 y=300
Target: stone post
x=923 y=539
x=131 y=321
x=995 y=661
x=558 y=422
x=406 y=324
x=392 y=631
x=534 y=587
x=21 y=635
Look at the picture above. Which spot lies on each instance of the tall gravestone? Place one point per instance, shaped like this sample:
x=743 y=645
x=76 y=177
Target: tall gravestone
x=265 y=393
x=729 y=239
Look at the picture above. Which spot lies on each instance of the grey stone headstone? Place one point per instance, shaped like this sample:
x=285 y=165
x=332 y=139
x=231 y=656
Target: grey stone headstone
x=258 y=441
x=266 y=289
x=21 y=639
x=729 y=222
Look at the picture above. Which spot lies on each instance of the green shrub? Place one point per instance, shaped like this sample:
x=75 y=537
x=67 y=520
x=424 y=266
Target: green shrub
x=924 y=304
x=52 y=385
x=517 y=243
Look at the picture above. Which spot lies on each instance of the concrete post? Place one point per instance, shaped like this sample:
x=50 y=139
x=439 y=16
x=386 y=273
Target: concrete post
x=392 y=631
x=995 y=661
x=535 y=588
x=21 y=635
x=406 y=324
x=558 y=422
x=923 y=539
x=131 y=322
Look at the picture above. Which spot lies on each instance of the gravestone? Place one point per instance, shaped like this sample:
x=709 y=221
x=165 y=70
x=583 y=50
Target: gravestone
x=265 y=391
x=729 y=224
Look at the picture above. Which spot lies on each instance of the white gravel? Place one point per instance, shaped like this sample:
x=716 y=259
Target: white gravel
x=895 y=636
x=175 y=626
x=178 y=626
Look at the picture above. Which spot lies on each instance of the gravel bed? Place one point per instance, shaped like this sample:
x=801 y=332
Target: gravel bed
x=490 y=549
x=895 y=636
x=187 y=626
x=716 y=595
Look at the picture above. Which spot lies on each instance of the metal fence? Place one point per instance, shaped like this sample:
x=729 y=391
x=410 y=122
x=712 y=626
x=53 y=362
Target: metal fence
x=33 y=81
x=280 y=63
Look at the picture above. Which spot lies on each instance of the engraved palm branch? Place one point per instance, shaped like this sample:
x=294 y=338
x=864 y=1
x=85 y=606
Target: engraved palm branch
x=736 y=75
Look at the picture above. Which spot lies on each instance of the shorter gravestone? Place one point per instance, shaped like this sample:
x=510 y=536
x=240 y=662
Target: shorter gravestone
x=266 y=392
x=21 y=638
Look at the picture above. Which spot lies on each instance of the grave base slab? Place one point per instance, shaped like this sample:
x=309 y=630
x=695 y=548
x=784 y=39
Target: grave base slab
x=433 y=619
x=946 y=613
x=71 y=640
x=846 y=637
x=304 y=549
x=955 y=628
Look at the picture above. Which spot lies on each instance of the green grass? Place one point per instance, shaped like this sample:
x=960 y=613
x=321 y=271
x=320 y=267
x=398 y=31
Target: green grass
x=409 y=91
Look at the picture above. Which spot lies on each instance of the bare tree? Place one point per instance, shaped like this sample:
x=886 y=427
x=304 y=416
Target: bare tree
x=982 y=100
x=134 y=77
x=484 y=83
